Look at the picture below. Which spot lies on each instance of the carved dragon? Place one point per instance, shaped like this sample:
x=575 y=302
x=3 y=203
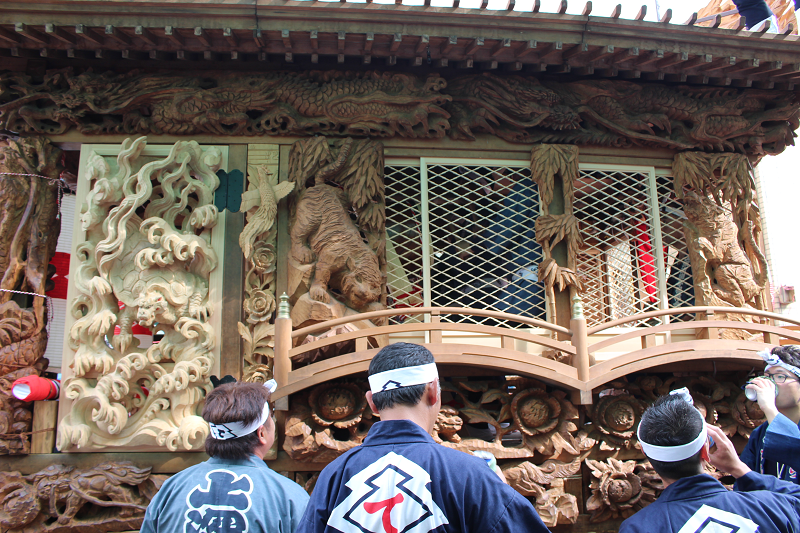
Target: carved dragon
x=279 y=103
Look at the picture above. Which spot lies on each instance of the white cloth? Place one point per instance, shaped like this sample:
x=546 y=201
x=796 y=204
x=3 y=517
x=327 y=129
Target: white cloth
x=773 y=361
x=671 y=454
x=402 y=377
x=234 y=430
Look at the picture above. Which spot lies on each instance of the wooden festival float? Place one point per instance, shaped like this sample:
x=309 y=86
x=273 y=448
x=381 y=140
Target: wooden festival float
x=562 y=208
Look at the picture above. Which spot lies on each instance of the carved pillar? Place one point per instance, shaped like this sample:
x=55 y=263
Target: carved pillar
x=723 y=231
x=146 y=256
x=29 y=228
x=337 y=262
x=258 y=242
x=554 y=168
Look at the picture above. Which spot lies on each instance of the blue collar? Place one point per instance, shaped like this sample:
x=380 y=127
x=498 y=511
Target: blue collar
x=396 y=432
x=252 y=461
x=690 y=488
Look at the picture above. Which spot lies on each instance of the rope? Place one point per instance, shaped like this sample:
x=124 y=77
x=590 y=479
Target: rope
x=59 y=181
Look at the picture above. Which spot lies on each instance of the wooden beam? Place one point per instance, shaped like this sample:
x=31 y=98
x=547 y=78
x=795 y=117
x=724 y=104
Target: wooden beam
x=667 y=17
x=173 y=35
x=717 y=64
x=514 y=66
x=500 y=47
x=313 y=36
x=61 y=35
x=341 y=39
x=641 y=14
x=562 y=7
x=601 y=53
x=616 y=12
x=452 y=41
x=650 y=57
x=717 y=21
x=30 y=33
x=702 y=59
x=423 y=43
x=624 y=55
x=537 y=5
x=676 y=58
x=788 y=70
x=287 y=41
x=202 y=36
x=474 y=46
x=258 y=38
x=576 y=51
x=368 y=42
x=587 y=9
x=396 y=40
x=10 y=37
x=742 y=66
x=550 y=51
x=117 y=35
x=489 y=65
x=233 y=41
x=145 y=35
x=88 y=34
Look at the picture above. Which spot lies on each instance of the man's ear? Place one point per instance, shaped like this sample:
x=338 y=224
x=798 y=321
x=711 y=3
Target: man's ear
x=432 y=392
x=262 y=435
x=371 y=403
x=704 y=453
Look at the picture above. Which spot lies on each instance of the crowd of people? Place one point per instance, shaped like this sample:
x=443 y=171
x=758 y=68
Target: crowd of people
x=401 y=481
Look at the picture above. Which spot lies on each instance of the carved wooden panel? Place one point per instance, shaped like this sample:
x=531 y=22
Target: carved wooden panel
x=111 y=496
x=374 y=104
x=337 y=263
x=29 y=228
x=569 y=460
x=145 y=255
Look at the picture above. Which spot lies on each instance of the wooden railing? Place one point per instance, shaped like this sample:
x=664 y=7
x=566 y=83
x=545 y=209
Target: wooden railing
x=581 y=376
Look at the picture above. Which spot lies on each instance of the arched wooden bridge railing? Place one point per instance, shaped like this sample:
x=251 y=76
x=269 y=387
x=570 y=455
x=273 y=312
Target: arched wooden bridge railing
x=582 y=376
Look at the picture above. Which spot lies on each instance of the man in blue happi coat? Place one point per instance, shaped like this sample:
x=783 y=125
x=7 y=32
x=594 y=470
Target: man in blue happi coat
x=675 y=438
x=234 y=491
x=774 y=446
x=400 y=479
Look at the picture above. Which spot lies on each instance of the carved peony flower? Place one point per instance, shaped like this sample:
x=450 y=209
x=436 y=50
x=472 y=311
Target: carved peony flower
x=259 y=306
x=264 y=258
x=535 y=411
x=619 y=488
x=616 y=418
x=337 y=404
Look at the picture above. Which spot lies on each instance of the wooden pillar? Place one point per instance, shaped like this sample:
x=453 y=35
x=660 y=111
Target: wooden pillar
x=282 y=365
x=45 y=414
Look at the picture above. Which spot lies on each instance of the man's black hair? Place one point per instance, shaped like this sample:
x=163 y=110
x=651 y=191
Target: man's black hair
x=399 y=355
x=789 y=354
x=671 y=421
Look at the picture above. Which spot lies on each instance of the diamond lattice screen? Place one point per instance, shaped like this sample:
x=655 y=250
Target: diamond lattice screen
x=484 y=254
x=404 y=273
x=617 y=263
x=680 y=289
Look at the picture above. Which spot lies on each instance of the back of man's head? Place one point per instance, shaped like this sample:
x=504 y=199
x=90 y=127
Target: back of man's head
x=399 y=355
x=789 y=354
x=234 y=402
x=672 y=421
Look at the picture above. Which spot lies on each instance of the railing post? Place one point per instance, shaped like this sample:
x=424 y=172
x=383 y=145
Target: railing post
x=282 y=365
x=580 y=340
x=707 y=333
x=436 y=333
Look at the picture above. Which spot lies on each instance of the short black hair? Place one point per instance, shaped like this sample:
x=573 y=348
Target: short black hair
x=399 y=355
x=789 y=354
x=671 y=421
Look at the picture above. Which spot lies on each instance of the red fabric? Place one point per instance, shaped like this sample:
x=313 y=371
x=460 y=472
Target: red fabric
x=61 y=277
x=647 y=267
x=40 y=388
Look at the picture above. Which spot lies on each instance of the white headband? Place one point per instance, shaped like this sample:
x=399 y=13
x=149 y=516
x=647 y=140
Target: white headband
x=402 y=377
x=671 y=454
x=234 y=430
x=773 y=360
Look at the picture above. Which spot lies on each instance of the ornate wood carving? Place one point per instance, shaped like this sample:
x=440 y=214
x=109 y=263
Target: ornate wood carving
x=334 y=271
x=722 y=230
x=111 y=496
x=547 y=162
x=148 y=247
x=515 y=108
x=258 y=243
x=327 y=421
x=620 y=488
x=29 y=228
x=553 y=504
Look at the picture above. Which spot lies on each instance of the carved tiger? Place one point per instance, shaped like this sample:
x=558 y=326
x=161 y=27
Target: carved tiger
x=323 y=228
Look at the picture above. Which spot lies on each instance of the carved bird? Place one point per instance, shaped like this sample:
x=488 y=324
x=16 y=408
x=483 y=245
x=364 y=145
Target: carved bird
x=266 y=197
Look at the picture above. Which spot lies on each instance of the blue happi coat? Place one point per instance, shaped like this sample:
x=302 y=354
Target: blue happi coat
x=218 y=496
x=401 y=480
x=774 y=449
x=701 y=504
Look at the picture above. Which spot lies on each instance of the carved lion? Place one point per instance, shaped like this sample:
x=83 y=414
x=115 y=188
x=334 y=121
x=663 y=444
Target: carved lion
x=344 y=262
x=447 y=425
